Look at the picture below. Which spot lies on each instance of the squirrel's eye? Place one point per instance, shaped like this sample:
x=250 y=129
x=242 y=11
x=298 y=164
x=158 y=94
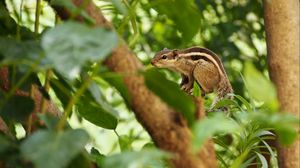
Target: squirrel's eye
x=164 y=57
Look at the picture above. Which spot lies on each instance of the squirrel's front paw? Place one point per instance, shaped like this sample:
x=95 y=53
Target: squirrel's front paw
x=188 y=89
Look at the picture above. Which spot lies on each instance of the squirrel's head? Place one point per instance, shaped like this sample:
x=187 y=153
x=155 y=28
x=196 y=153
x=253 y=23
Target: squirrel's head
x=165 y=58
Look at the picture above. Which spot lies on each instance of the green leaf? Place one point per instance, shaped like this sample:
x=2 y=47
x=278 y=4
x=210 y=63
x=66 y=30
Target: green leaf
x=182 y=20
x=116 y=80
x=273 y=158
x=9 y=151
x=262 y=160
x=221 y=160
x=48 y=149
x=82 y=160
x=239 y=160
x=97 y=157
x=69 y=45
x=100 y=99
x=125 y=142
x=264 y=133
x=144 y=158
x=170 y=93
x=96 y=110
x=62 y=90
x=286 y=135
x=4 y=144
x=49 y=120
x=15 y=51
x=97 y=115
x=149 y=145
x=17 y=108
x=284 y=125
x=246 y=162
x=244 y=101
x=260 y=88
x=120 y=6
x=207 y=127
x=226 y=103
x=196 y=90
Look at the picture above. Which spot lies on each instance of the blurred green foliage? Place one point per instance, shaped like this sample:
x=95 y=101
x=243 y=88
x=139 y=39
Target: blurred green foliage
x=233 y=29
x=82 y=87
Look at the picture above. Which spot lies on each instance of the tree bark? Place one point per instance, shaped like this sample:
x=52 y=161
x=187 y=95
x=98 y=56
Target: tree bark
x=167 y=127
x=282 y=29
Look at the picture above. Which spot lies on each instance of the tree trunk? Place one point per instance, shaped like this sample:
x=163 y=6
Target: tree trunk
x=282 y=29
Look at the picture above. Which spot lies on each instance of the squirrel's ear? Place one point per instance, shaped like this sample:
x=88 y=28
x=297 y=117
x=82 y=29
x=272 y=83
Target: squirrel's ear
x=175 y=53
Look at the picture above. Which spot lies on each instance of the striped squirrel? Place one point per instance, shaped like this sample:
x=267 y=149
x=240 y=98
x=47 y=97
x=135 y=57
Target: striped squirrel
x=199 y=64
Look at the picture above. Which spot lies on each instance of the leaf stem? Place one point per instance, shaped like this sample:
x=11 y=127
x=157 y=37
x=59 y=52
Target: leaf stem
x=37 y=16
x=18 y=33
x=115 y=131
x=57 y=19
x=130 y=17
x=73 y=100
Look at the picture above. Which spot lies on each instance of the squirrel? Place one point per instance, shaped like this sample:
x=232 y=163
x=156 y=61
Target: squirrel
x=196 y=64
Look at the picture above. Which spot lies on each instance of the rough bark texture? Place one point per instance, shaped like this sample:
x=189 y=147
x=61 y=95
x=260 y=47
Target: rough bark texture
x=167 y=128
x=282 y=28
